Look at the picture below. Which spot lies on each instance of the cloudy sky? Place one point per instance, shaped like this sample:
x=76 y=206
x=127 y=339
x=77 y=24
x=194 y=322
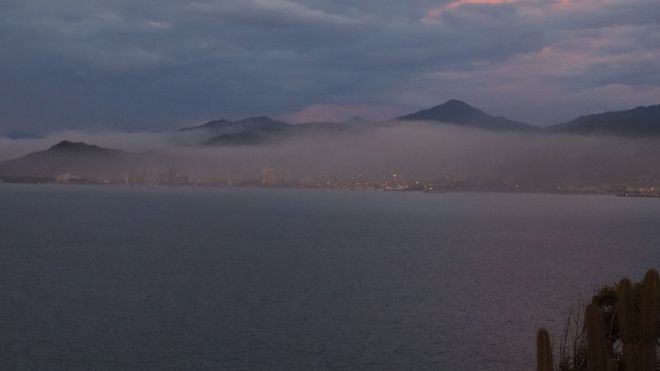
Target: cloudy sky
x=160 y=64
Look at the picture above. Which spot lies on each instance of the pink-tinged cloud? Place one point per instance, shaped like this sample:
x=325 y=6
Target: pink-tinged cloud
x=575 y=5
x=458 y=3
x=436 y=13
x=340 y=113
x=526 y=8
x=563 y=74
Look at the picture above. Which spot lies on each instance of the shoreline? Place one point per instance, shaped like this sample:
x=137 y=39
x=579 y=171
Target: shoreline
x=621 y=194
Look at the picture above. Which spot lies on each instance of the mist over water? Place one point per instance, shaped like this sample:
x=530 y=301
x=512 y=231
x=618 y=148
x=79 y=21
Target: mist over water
x=413 y=150
x=169 y=278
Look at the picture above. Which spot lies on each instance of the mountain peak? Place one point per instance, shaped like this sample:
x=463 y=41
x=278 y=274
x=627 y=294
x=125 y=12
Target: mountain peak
x=222 y=124
x=260 y=120
x=456 y=103
x=214 y=124
x=452 y=111
x=69 y=147
x=458 y=110
x=460 y=113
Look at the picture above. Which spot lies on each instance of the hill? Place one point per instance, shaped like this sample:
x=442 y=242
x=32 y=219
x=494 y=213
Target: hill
x=456 y=112
x=222 y=125
x=636 y=122
x=76 y=158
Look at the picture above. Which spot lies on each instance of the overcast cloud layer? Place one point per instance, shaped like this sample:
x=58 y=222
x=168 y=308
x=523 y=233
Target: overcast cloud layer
x=159 y=64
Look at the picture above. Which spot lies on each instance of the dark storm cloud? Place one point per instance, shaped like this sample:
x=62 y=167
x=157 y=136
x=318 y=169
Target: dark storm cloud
x=160 y=64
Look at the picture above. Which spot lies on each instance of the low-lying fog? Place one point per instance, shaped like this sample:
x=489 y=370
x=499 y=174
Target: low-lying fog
x=410 y=149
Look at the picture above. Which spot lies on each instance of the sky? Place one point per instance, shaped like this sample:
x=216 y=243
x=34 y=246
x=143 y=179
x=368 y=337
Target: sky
x=154 y=65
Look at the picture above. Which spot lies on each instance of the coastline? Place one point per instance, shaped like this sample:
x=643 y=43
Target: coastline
x=567 y=192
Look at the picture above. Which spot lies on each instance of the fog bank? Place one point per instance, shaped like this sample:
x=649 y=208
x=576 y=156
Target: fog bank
x=409 y=150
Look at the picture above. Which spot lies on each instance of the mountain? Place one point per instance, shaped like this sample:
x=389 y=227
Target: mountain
x=76 y=158
x=637 y=122
x=249 y=131
x=68 y=148
x=261 y=130
x=460 y=113
x=357 y=120
x=260 y=122
x=211 y=125
x=248 y=136
x=265 y=135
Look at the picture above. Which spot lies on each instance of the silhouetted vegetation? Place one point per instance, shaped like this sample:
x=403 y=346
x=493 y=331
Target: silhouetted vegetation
x=619 y=331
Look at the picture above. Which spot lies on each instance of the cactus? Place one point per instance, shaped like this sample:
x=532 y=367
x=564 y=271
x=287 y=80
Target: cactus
x=544 y=360
x=648 y=309
x=627 y=312
x=596 y=338
x=627 y=324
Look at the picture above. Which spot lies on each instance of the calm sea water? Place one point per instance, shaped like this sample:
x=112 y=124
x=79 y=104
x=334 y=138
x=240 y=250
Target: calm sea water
x=137 y=278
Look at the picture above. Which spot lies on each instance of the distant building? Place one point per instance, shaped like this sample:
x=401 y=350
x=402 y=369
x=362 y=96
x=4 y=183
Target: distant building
x=269 y=176
x=66 y=178
x=172 y=176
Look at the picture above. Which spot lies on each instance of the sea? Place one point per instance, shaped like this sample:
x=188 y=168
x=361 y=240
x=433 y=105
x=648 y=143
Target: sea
x=182 y=278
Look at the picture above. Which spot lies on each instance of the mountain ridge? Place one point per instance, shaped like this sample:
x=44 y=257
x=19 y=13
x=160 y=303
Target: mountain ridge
x=641 y=121
x=254 y=122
